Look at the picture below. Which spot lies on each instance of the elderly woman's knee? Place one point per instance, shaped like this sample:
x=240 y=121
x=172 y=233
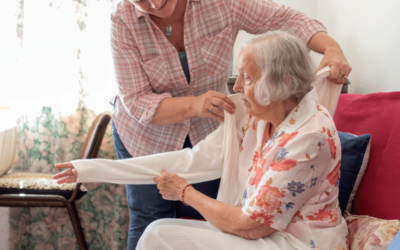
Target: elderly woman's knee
x=159 y=224
x=158 y=234
x=152 y=236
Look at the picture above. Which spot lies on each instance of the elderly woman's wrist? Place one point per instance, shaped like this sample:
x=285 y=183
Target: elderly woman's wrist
x=186 y=192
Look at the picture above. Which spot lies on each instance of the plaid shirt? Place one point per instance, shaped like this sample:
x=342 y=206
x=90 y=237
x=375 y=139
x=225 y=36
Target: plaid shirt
x=148 y=67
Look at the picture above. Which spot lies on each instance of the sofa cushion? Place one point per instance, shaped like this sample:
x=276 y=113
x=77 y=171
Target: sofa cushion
x=355 y=157
x=377 y=114
x=371 y=233
x=37 y=183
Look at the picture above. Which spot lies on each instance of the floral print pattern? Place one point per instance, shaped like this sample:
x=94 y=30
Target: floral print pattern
x=262 y=218
x=296 y=187
x=268 y=198
x=291 y=185
x=283 y=165
x=324 y=214
x=334 y=175
x=44 y=141
x=371 y=233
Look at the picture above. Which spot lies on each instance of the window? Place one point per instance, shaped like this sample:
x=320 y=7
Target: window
x=55 y=53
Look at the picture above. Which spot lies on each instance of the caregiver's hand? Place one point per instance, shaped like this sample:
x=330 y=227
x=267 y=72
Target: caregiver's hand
x=340 y=68
x=211 y=101
x=170 y=186
x=70 y=175
x=334 y=57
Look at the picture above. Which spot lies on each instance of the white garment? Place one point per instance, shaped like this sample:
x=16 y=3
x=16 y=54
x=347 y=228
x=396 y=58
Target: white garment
x=212 y=158
x=179 y=234
x=328 y=93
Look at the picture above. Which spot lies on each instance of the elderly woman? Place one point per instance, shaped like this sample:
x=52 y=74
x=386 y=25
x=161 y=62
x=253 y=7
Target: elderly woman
x=287 y=168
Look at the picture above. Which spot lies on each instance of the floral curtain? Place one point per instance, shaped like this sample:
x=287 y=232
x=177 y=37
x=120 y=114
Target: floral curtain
x=48 y=138
x=44 y=141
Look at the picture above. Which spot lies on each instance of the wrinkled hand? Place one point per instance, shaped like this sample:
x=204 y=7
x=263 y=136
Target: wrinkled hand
x=340 y=68
x=170 y=186
x=202 y=105
x=70 y=175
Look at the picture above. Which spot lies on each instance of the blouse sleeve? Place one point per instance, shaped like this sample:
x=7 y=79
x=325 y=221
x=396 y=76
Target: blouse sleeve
x=200 y=164
x=260 y=16
x=288 y=183
x=135 y=91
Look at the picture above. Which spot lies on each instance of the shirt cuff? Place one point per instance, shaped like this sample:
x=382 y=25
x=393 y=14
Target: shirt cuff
x=79 y=165
x=310 y=28
x=147 y=115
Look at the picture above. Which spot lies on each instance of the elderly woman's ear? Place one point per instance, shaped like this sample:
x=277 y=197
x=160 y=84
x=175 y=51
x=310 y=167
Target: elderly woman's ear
x=288 y=80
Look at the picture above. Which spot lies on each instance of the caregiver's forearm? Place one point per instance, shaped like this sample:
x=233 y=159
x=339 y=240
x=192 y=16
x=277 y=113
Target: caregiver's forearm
x=225 y=217
x=321 y=42
x=173 y=110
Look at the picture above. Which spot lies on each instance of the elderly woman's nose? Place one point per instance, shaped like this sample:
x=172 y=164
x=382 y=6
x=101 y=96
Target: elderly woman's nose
x=238 y=86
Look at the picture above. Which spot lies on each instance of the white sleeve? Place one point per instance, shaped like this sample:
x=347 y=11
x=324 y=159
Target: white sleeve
x=202 y=163
x=328 y=92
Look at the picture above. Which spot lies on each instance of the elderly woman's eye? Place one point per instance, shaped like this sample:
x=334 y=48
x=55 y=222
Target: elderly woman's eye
x=247 y=79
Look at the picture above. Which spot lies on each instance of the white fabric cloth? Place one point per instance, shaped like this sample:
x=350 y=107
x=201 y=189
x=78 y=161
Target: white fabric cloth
x=328 y=93
x=179 y=234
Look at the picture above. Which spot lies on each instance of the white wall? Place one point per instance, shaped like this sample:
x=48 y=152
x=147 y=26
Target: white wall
x=306 y=6
x=368 y=32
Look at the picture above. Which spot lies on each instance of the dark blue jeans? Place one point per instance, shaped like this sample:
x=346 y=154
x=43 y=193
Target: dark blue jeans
x=146 y=204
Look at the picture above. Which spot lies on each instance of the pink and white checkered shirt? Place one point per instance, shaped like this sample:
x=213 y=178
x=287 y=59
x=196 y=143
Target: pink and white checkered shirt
x=148 y=68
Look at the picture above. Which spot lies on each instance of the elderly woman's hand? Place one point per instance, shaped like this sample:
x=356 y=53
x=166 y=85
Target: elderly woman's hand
x=170 y=186
x=70 y=175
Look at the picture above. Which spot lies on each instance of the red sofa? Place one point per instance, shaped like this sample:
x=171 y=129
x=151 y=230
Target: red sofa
x=377 y=114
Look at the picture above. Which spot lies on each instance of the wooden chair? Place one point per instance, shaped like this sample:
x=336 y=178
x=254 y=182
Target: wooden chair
x=39 y=190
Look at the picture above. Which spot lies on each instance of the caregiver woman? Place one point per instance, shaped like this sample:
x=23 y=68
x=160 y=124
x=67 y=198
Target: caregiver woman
x=172 y=61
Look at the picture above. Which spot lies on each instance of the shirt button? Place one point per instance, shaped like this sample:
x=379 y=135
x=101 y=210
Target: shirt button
x=193 y=70
x=187 y=43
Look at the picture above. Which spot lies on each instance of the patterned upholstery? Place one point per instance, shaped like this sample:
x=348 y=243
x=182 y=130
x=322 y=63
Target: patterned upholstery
x=28 y=180
x=36 y=183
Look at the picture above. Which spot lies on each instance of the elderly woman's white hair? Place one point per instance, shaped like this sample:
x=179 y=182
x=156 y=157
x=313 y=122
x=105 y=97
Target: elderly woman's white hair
x=286 y=67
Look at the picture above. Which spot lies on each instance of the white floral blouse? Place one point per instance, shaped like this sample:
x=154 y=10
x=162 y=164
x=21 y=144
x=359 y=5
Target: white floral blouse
x=292 y=178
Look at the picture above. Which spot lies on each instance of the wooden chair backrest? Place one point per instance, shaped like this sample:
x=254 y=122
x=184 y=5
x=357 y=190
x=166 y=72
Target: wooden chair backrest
x=91 y=147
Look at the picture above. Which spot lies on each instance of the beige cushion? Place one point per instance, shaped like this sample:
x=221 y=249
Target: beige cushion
x=8 y=149
x=369 y=233
x=41 y=181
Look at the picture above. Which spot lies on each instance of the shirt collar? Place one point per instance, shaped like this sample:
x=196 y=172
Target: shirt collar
x=307 y=107
x=141 y=13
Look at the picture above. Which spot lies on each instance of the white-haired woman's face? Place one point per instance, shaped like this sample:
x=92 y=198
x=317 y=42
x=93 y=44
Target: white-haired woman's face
x=249 y=74
x=160 y=8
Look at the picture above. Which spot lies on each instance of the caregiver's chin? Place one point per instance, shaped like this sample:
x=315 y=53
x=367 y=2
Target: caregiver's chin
x=159 y=8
